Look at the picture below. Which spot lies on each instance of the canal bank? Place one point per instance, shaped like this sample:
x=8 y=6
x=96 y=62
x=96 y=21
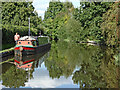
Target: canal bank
x=7 y=52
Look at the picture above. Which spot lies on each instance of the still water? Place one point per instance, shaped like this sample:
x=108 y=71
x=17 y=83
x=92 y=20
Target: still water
x=65 y=65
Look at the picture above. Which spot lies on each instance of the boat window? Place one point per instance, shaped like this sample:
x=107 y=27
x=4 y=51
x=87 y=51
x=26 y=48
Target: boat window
x=34 y=43
x=28 y=42
x=19 y=42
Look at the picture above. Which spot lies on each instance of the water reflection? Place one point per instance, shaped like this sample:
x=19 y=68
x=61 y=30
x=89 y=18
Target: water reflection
x=97 y=65
x=65 y=65
x=21 y=69
x=43 y=80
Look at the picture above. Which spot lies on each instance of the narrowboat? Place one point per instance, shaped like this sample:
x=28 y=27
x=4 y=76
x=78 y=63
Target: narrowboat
x=29 y=45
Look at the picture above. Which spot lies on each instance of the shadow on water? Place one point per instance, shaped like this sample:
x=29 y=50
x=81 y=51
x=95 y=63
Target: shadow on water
x=88 y=66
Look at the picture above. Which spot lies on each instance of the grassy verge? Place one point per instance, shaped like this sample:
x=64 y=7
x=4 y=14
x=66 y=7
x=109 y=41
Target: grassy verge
x=7 y=61
x=7 y=50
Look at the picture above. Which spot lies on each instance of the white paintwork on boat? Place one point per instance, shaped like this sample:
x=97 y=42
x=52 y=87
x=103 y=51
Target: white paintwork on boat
x=27 y=38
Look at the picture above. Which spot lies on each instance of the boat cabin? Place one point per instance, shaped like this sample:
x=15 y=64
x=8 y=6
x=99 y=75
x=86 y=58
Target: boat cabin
x=27 y=41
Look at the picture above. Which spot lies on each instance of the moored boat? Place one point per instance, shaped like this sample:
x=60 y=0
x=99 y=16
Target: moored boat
x=29 y=45
x=25 y=45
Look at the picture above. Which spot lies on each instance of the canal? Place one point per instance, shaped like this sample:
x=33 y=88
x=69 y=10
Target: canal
x=64 y=65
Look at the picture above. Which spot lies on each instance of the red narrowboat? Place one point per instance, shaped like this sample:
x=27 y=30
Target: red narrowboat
x=25 y=45
x=29 y=45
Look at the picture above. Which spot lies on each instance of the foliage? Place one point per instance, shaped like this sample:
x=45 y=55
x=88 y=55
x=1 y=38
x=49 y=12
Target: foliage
x=63 y=21
x=17 y=13
x=15 y=19
x=6 y=46
x=110 y=69
x=110 y=28
x=6 y=65
x=43 y=40
x=71 y=31
x=14 y=78
x=53 y=10
x=85 y=63
x=90 y=16
x=55 y=17
x=10 y=30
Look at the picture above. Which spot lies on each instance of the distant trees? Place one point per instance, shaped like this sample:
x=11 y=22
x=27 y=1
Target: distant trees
x=90 y=17
x=63 y=21
x=94 y=21
x=17 y=13
x=71 y=31
x=56 y=16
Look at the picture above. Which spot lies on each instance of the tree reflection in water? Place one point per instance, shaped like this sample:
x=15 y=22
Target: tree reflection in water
x=97 y=64
x=89 y=66
x=16 y=75
x=14 y=78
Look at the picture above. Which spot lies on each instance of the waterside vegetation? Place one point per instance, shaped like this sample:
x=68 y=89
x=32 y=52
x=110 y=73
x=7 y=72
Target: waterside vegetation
x=95 y=21
x=91 y=21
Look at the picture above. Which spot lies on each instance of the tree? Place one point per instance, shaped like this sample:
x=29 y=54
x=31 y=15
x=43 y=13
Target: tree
x=15 y=18
x=110 y=26
x=53 y=10
x=55 y=17
x=71 y=31
x=90 y=17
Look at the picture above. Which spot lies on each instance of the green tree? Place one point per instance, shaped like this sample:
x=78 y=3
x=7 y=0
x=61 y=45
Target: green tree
x=71 y=31
x=110 y=26
x=55 y=17
x=90 y=17
x=15 y=18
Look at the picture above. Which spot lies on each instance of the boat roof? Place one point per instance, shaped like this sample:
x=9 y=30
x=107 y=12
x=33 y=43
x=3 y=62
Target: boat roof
x=27 y=38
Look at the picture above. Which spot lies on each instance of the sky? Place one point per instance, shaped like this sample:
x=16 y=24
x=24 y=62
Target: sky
x=43 y=80
x=41 y=5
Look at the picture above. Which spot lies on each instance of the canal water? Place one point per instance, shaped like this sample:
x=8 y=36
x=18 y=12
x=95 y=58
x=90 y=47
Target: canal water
x=65 y=65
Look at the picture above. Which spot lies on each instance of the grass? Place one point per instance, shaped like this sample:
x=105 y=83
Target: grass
x=7 y=61
x=7 y=50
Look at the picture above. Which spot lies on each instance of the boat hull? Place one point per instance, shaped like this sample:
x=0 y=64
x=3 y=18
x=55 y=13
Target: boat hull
x=24 y=50
x=31 y=50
